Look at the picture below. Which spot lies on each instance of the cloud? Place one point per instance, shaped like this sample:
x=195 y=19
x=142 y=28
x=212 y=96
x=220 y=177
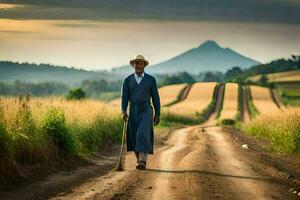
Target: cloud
x=76 y=25
x=17 y=32
x=270 y=11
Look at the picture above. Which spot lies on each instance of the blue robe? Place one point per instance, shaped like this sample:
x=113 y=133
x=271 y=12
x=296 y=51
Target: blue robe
x=139 y=130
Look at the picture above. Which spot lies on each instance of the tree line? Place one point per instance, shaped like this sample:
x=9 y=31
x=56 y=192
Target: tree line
x=104 y=89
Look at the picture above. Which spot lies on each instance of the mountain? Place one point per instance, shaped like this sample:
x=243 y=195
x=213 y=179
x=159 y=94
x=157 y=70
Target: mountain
x=209 y=56
x=34 y=73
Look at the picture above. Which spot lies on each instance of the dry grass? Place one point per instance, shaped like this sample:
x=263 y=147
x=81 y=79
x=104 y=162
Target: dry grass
x=281 y=128
x=83 y=111
x=168 y=94
x=116 y=103
x=38 y=129
x=262 y=99
x=199 y=97
x=230 y=102
x=281 y=76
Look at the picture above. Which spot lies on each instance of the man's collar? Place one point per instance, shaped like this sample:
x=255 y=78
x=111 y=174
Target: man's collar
x=142 y=75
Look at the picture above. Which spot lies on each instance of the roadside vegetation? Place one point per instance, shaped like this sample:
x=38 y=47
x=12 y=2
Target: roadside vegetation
x=42 y=130
x=252 y=109
x=289 y=93
x=280 y=128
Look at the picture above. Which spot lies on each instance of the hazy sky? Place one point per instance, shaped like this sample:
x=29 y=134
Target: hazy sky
x=102 y=36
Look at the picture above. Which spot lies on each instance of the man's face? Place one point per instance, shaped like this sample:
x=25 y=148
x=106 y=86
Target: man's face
x=139 y=66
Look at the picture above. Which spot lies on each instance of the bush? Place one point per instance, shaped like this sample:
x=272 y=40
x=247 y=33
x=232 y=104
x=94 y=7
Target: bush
x=230 y=122
x=76 y=94
x=56 y=129
x=92 y=136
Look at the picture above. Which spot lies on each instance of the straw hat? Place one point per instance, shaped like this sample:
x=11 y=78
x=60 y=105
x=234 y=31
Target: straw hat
x=139 y=58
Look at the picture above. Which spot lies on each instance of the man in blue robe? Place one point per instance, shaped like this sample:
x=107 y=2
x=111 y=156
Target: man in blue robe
x=139 y=88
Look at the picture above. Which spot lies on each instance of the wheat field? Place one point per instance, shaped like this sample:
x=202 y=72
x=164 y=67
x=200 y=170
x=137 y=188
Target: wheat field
x=288 y=76
x=262 y=99
x=167 y=94
x=230 y=102
x=281 y=127
x=199 y=97
x=83 y=111
x=116 y=103
x=42 y=128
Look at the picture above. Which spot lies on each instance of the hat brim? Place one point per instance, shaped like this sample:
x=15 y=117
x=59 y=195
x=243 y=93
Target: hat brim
x=137 y=60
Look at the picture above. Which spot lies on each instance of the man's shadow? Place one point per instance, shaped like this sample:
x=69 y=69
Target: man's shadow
x=211 y=173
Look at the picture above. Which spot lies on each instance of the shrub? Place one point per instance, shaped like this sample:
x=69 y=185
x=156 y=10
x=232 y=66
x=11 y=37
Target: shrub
x=76 y=94
x=56 y=129
x=102 y=128
x=230 y=122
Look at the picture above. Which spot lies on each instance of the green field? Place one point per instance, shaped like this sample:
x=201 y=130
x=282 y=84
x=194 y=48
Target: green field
x=289 y=93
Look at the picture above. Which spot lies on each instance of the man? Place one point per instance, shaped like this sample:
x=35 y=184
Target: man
x=138 y=88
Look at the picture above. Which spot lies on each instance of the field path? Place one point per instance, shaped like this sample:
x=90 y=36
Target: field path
x=245 y=98
x=192 y=163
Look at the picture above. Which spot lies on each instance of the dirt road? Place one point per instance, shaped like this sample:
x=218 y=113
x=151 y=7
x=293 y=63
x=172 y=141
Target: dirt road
x=192 y=163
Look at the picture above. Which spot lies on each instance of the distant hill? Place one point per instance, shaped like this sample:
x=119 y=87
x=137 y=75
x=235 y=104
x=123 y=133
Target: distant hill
x=287 y=76
x=11 y=71
x=209 y=56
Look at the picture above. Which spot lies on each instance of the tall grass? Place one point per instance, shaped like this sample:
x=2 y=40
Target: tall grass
x=281 y=128
x=252 y=109
x=42 y=129
x=5 y=140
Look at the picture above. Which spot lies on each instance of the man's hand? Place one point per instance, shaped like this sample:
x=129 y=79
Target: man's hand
x=125 y=116
x=156 y=120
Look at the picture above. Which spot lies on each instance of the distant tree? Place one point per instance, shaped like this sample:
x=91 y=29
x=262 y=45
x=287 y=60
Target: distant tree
x=186 y=77
x=212 y=77
x=234 y=74
x=96 y=87
x=263 y=81
x=17 y=88
x=76 y=94
x=182 y=77
x=296 y=59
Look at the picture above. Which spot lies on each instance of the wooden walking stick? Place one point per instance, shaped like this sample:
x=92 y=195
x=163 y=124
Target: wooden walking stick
x=119 y=166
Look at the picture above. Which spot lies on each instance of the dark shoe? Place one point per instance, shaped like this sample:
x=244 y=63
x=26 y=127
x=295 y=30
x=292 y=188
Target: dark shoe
x=141 y=165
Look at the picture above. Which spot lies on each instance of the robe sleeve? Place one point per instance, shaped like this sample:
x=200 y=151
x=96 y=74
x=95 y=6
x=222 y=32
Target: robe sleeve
x=124 y=96
x=155 y=97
